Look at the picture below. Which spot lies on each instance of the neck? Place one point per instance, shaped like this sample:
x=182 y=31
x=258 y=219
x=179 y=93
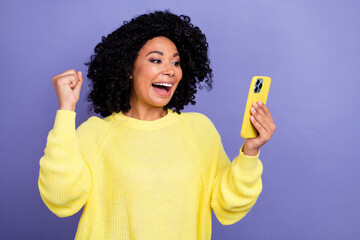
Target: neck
x=147 y=114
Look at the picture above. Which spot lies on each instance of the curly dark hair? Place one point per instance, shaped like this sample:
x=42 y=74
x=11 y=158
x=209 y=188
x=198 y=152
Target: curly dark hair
x=112 y=63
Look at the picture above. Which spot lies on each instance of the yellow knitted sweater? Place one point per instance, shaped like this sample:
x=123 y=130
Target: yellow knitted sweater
x=145 y=179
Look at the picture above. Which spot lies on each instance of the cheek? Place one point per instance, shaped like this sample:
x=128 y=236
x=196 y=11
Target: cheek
x=143 y=76
x=147 y=74
x=138 y=85
x=180 y=74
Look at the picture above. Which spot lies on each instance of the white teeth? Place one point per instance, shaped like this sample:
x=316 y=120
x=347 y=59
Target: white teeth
x=163 y=84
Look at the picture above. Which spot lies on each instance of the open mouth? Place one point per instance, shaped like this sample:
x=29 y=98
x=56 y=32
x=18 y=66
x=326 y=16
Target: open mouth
x=163 y=86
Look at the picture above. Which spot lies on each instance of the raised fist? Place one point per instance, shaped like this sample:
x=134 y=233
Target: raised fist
x=67 y=87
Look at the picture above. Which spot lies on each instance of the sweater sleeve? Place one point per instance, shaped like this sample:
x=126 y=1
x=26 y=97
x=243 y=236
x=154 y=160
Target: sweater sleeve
x=64 y=177
x=236 y=185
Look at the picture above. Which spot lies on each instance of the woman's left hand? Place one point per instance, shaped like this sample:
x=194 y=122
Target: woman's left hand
x=264 y=124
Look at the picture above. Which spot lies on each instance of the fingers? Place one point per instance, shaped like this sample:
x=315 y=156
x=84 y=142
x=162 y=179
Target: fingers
x=263 y=108
x=67 y=72
x=69 y=77
x=70 y=72
x=264 y=134
x=79 y=75
x=262 y=120
x=79 y=83
x=259 y=127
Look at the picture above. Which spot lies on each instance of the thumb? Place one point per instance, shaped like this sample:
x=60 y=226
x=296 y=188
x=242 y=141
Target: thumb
x=80 y=77
x=77 y=89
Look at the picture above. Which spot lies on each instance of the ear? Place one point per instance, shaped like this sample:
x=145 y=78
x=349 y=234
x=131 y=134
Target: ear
x=129 y=75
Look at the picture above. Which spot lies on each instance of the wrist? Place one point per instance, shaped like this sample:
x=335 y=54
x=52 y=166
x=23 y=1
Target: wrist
x=66 y=107
x=249 y=151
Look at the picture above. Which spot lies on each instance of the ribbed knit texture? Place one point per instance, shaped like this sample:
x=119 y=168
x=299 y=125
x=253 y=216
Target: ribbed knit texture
x=145 y=180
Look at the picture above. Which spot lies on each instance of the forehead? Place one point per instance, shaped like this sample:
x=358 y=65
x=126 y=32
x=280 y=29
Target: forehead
x=162 y=44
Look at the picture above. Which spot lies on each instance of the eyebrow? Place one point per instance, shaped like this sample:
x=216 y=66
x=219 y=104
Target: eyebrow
x=161 y=53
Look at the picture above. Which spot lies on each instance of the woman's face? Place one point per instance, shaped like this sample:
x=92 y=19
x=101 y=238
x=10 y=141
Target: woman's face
x=156 y=74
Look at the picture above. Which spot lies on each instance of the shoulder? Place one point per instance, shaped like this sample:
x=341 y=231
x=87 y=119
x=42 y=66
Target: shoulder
x=196 y=118
x=199 y=124
x=92 y=126
x=91 y=122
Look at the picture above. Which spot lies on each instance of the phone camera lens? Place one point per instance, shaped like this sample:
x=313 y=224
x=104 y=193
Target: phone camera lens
x=258 y=85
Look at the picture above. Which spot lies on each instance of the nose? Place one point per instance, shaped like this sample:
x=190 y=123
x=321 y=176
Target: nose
x=169 y=70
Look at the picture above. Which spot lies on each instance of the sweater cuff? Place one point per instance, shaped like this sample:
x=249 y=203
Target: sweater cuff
x=247 y=163
x=65 y=120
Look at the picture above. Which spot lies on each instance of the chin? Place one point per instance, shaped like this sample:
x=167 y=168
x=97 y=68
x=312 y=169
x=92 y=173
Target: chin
x=160 y=102
x=162 y=105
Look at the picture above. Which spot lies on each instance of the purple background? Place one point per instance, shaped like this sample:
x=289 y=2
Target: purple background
x=309 y=48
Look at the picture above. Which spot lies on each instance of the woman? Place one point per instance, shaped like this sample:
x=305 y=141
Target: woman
x=147 y=171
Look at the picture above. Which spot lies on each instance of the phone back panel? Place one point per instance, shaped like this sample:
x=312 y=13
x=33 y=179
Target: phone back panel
x=254 y=95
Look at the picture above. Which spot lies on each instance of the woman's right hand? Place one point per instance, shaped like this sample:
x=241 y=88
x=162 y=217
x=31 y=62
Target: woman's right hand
x=67 y=87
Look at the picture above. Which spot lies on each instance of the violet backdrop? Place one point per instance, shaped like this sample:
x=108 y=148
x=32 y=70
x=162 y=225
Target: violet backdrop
x=311 y=51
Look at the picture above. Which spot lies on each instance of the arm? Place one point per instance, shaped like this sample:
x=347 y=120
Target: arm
x=64 y=178
x=236 y=186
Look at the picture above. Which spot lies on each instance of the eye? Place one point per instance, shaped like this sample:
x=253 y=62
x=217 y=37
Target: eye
x=155 y=60
x=176 y=63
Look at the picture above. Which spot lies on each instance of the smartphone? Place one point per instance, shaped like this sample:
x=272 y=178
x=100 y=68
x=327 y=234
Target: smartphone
x=259 y=90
